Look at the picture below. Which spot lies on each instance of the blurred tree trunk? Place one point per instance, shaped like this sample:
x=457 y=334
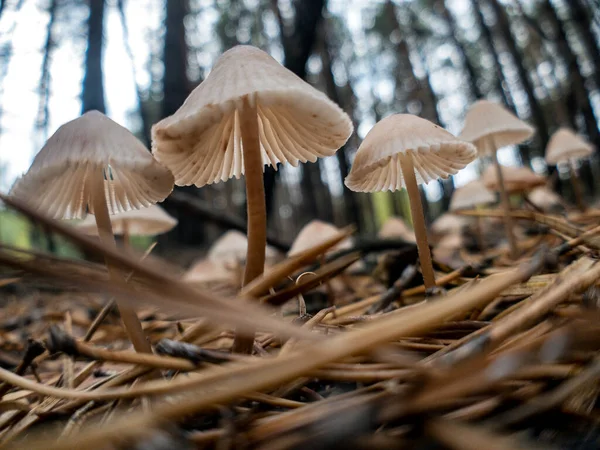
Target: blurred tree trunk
x=468 y=64
x=486 y=34
x=176 y=88
x=582 y=16
x=352 y=210
x=579 y=98
x=536 y=111
x=41 y=121
x=93 y=84
x=298 y=44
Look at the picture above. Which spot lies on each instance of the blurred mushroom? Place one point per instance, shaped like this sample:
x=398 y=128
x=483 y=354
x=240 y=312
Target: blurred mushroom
x=448 y=224
x=314 y=233
x=469 y=196
x=395 y=227
x=138 y=222
x=94 y=165
x=249 y=112
x=229 y=250
x=404 y=150
x=546 y=200
x=517 y=180
x=490 y=127
x=564 y=145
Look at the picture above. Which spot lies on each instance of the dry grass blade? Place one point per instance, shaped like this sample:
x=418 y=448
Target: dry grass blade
x=213 y=388
x=261 y=285
x=172 y=291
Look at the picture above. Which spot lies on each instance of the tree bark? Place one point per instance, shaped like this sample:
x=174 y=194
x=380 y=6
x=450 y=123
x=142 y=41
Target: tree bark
x=524 y=77
x=582 y=15
x=93 y=84
x=44 y=84
x=298 y=44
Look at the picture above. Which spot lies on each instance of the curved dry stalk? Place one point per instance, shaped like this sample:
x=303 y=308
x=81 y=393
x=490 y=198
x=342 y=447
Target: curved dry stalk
x=461 y=436
x=418 y=218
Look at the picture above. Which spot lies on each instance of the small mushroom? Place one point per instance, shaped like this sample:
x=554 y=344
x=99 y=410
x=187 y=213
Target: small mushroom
x=395 y=227
x=517 y=180
x=249 y=112
x=490 y=127
x=229 y=250
x=94 y=165
x=149 y=221
x=565 y=145
x=404 y=150
x=472 y=195
x=314 y=233
x=546 y=200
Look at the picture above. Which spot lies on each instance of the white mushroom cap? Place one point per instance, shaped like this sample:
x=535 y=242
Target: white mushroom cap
x=545 y=198
x=395 y=227
x=58 y=180
x=230 y=249
x=470 y=195
x=137 y=222
x=449 y=223
x=486 y=119
x=314 y=233
x=516 y=179
x=201 y=142
x=564 y=144
x=435 y=152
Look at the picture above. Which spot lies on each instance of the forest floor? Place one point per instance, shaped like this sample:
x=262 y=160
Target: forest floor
x=350 y=350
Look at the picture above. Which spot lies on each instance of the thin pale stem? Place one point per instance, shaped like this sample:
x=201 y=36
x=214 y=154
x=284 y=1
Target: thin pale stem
x=479 y=234
x=577 y=188
x=132 y=324
x=126 y=241
x=255 y=203
x=508 y=221
x=416 y=210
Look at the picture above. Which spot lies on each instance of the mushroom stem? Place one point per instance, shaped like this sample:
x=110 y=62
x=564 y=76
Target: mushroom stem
x=132 y=324
x=577 y=188
x=126 y=242
x=508 y=221
x=418 y=219
x=255 y=204
x=479 y=234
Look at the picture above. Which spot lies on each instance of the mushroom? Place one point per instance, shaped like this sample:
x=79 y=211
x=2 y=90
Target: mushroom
x=546 y=200
x=94 y=165
x=489 y=126
x=565 y=145
x=448 y=224
x=249 y=112
x=229 y=250
x=517 y=180
x=395 y=227
x=403 y=150
x=138 y=222
x=471 y=195
x=314 y=233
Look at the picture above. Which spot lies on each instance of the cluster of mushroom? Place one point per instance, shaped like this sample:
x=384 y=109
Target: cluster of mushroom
x=250 y=112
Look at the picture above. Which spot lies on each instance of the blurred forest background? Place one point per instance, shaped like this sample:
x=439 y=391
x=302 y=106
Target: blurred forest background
x=137 y=60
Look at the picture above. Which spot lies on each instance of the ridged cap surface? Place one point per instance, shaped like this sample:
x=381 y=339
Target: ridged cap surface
x=201 y=142
x=58 y=181
x=435 y=153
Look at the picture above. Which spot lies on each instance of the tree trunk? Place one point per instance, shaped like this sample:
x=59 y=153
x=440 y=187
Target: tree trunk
x=469 y=67
x=524 y=77
x=41 y=122
x=93 y=84
x=487 y=36
x=352 y=211
x=580 y=98
x=582 y=16
x=298 y=44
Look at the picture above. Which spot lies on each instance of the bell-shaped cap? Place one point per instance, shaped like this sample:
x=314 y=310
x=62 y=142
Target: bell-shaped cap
x=516 y=179
x=230 y=250
x=148 y=221
x=435 y=153
x=201 y=142
x=564 y=144
x=470 y=195
x=491 y=126
x=314 y=233
x=59 y=179
x=395 y=228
